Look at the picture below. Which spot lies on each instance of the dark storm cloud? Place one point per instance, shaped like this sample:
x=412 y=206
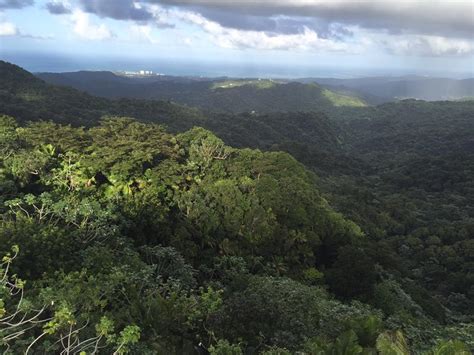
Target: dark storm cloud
x=116 y=9
x=446 y=18
x=15 y=4
x=57 y=8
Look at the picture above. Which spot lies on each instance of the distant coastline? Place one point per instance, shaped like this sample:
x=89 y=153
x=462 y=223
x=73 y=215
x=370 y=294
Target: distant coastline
x=35 y=62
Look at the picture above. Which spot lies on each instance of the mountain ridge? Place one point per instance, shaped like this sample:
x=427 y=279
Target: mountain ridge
x=225 y=95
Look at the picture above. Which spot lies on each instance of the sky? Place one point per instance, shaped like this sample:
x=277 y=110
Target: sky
x=242 y=37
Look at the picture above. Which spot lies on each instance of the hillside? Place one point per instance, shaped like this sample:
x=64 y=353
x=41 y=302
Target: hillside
x=190 y=238
x=67 y=105
x=243 y=95
x=26 y=97
x=181 y=229
x=397 y=88
x=221 y=95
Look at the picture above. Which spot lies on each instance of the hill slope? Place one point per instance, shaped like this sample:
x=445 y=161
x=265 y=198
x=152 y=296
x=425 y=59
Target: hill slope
x=244 y=219
x=28 y=98
x=148 y=232
x=396 y=88
x=232 y=96
x=67 y=105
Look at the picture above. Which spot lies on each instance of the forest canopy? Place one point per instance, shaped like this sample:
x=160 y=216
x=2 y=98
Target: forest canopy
x=133 y=239
x=182 y=231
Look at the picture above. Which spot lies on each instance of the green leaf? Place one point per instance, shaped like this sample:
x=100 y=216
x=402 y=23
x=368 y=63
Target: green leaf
x=392 y=343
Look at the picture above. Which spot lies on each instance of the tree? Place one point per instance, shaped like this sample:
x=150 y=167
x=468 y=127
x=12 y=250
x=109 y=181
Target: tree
x=18 y=316
x=353 y=274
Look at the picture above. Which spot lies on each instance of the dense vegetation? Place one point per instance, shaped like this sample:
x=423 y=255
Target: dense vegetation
x=27 y=98
x=418 y=194
x=195 y=91
x=220 y=95
x=134 y=239
x=405 y=87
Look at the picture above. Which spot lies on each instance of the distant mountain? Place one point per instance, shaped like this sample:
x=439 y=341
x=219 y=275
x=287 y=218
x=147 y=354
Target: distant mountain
x=246 y=95
x=29 y=98
x=109 y=84
x=221 y=95
x=396 y=88
x=79 y=79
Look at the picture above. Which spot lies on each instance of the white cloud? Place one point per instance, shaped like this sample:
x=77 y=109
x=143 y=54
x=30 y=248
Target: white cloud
x=8 y=29
x=361 y=40
x=87 y=30
x=225 y=37
x=429 y=46
x=447 y=18
x=408 y=27
x=162 y=18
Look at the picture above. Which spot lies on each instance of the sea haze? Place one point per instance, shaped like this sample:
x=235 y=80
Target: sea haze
x=36 y=62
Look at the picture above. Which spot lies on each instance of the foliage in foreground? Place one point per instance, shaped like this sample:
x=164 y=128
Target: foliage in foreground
x=135 y=240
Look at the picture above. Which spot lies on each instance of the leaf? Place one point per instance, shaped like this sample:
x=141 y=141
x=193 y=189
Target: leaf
x=451 y=347
x=392 y=343
x=347 y=344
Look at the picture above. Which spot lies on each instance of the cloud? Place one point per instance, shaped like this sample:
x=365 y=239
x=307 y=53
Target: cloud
x=410 y=27
x=161 y=17
x=336 y=25
x=429 y=46
x=87 y=30
x=58 y=7
x=143 y=12
x=8 y=29
x=280 y=23
x=306 y=39
x=15 y=4
x=446 y=18
x=117 y=9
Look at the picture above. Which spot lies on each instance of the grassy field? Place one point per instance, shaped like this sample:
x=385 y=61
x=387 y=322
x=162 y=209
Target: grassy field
x=259 y=83
x=343 y=100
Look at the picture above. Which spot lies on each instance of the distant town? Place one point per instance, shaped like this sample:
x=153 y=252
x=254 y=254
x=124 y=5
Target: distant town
x=138 y=73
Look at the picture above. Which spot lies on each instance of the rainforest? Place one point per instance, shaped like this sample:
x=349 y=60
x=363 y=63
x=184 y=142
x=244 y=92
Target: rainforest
x=143 y=226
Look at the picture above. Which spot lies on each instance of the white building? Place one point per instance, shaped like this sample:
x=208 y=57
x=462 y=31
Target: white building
x=145 y=72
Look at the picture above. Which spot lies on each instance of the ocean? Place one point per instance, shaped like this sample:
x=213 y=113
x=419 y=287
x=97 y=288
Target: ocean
x=178 y=67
